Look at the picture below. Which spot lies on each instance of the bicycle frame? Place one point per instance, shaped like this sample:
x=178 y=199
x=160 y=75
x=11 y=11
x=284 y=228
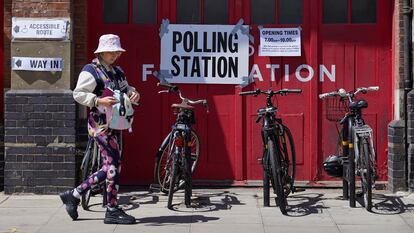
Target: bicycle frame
x=275 y=158
x=272 y=127
x=354 y=132
x=181 y=136
x=176 y=149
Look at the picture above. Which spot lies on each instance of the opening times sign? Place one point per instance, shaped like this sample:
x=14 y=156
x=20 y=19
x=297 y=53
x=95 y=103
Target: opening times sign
x=209 y=54
x=280 y=42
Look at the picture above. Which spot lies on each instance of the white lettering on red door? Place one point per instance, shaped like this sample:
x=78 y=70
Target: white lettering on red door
x=272 y=68
x=303 y=73
x=299 y=76
x=146 y=71
x=255 y=73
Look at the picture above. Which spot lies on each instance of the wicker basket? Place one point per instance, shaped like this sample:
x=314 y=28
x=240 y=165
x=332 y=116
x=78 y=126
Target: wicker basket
x=336 y=108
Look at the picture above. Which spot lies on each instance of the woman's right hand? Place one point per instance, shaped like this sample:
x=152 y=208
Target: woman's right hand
x=106 y=101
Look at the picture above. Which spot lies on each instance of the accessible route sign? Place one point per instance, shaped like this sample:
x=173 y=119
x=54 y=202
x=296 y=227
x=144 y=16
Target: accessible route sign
x=40 y=28
x=208 y=54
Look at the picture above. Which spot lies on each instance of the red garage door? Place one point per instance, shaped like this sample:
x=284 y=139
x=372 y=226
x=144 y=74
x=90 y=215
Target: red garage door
x=343 y=45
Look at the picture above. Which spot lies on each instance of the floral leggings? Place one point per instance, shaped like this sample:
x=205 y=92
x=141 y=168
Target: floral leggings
x=110 y=152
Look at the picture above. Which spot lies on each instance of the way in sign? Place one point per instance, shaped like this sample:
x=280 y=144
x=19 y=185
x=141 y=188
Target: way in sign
x=39 y=64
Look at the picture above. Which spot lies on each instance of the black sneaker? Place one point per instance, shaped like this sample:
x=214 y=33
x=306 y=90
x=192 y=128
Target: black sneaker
x=118 y=216
x=71 y=203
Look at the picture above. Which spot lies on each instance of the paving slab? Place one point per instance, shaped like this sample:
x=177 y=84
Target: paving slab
x=375 y=228
x=237 y=228
x=302 y=229
x=221 y=210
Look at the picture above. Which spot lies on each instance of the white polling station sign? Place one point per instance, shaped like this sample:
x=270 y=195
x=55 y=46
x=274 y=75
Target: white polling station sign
x=280 y=42
x=40 y=28
x=204 y=54
x=37 y=63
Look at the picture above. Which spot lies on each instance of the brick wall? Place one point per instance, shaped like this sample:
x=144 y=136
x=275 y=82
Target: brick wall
x=396 y=156
x=80 y=35
x=75 y=9
x=40 y=158
x=398 y=45
x=1 y=158
x=7 y=40
x=39 y=141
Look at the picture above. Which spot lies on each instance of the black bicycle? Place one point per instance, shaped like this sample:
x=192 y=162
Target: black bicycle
x=179 y=153
x=357 y=155
x=91 y=163
x=279 y=157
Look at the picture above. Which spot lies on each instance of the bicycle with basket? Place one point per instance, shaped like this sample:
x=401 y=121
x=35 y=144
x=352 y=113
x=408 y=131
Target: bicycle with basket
x=355 y=154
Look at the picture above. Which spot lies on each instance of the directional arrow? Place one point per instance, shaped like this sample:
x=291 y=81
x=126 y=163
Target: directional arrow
x=16 y=29
x=18 y=63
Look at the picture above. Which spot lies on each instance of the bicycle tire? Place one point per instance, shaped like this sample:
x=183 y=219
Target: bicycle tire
x=289 y=160
x=87 y=169
x=276 y=176
x=188 y=181
x=85 y=197
x=366 y=175
x=266 y=188
x=92 y=165
x=161 y=166
x=172 y=184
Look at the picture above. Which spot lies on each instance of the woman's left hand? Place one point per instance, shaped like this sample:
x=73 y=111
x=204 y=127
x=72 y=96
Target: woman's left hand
x=134 y=96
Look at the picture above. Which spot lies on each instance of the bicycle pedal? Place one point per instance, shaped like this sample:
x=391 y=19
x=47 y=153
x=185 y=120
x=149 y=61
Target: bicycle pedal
x=155 y=188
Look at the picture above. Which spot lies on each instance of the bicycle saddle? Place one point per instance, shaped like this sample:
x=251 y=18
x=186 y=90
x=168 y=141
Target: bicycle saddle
x=359 y=104
x=182 y=105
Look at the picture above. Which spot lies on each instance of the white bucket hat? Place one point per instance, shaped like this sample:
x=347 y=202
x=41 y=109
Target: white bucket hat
x=109 y=43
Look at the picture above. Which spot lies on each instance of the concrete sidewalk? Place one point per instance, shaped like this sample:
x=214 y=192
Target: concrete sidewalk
x=214 y=210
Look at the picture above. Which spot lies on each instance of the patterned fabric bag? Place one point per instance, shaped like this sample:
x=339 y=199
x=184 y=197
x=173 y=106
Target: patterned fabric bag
x=121 y=115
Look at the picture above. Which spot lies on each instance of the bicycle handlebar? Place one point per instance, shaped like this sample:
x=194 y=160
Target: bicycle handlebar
x=256 y=92
x=342 y=93
x=270 y=92
x=172 y=88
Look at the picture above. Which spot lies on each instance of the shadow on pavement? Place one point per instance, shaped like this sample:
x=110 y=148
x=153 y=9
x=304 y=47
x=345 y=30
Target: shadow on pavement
x=305 y=204
x=203 y=202
x=388 y=205
x=172 y=220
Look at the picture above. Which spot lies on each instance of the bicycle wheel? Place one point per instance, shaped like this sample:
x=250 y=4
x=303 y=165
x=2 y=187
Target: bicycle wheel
x=187 y=178
x=173 y=183
x=89 y=166
x=288 y=160
x=92 y=164
x=266 y=188
x=163 y=162
x=366 y=174
x=274 y=160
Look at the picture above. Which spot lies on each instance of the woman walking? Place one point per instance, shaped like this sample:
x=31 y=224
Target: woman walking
x=94 y=80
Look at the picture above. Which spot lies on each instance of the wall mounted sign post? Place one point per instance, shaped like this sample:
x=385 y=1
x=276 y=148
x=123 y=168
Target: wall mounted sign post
x=279 y=42
x=209 y=54
x=37 y=63
x=40 y=28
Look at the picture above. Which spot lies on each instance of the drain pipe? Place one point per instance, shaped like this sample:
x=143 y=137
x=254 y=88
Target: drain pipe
x=408 y=80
